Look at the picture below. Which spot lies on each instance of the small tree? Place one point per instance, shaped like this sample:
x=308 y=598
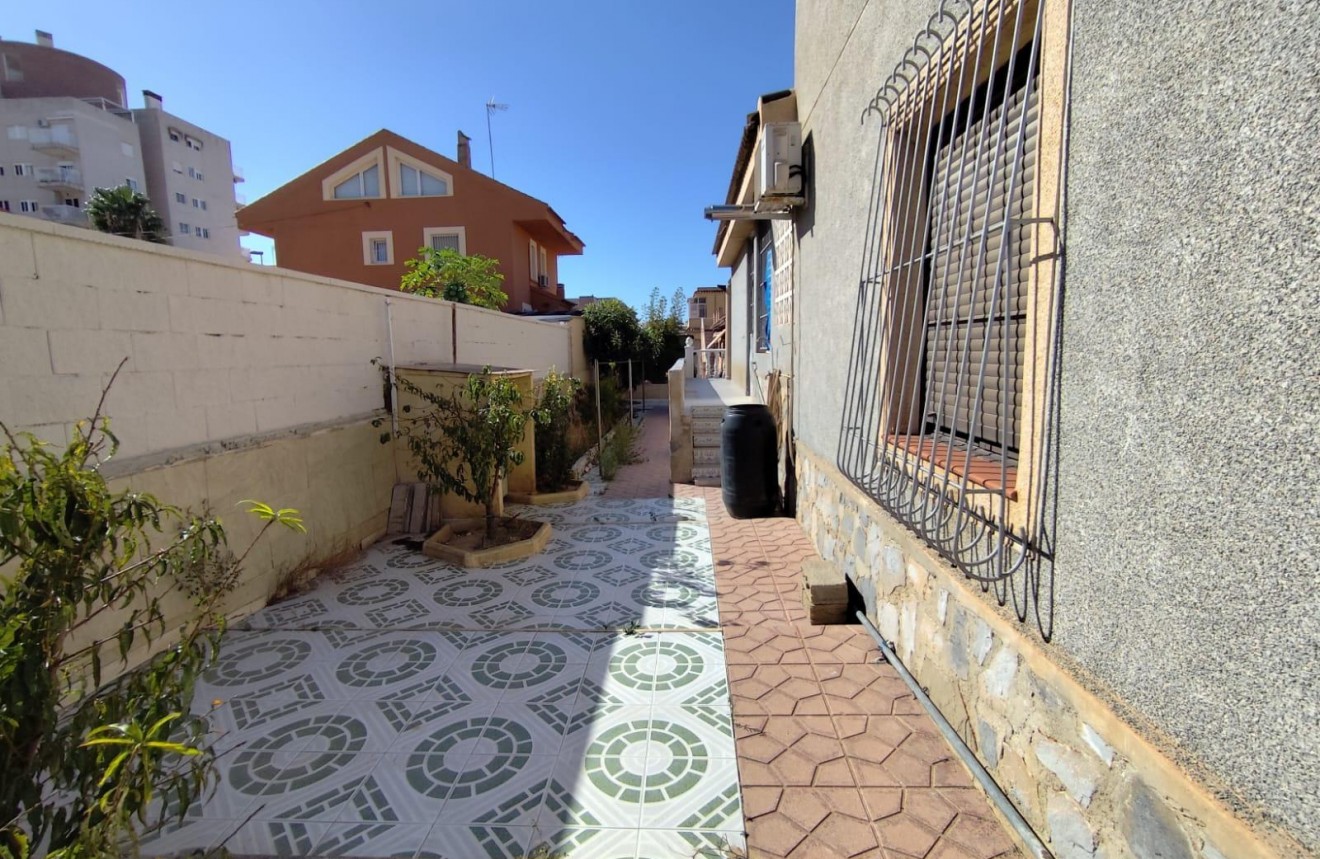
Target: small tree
x=125 y=212
x=452 y=276
x=81 y=760
x=610 y=332
x=553 y=414
x=466 y=442
x=662 y=335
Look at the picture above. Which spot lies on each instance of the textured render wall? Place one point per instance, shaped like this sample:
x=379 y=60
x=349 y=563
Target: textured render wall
x=1187 y=535
x=217 y=350
x=1186 y=539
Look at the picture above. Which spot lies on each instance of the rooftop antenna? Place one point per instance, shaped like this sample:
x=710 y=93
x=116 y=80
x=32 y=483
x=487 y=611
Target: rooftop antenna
x=491 y=107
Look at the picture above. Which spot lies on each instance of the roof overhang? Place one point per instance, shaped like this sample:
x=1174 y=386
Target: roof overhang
x=740 y=208
x=552 y=235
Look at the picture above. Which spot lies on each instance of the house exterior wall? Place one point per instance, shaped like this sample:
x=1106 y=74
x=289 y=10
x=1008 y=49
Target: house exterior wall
x=48 y=72
x=1185 y=616
x=100 y=159
x=717 y=307
x=216 y=187
x=324 y=237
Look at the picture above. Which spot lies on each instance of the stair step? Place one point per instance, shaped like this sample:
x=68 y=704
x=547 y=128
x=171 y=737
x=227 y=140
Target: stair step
x=705 y=439
x=707 y=412
x=705 y=476
x=706 y=456
x=706 y=425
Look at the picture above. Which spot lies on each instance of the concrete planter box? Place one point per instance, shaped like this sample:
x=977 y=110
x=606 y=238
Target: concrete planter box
x=577 y=493
x=437 y=545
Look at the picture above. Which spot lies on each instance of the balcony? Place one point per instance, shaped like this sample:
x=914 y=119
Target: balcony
x=69 y=215
x=56 y=140
x=64 y=179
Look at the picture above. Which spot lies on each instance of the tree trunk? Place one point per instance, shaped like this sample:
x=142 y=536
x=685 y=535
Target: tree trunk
x=490 y=510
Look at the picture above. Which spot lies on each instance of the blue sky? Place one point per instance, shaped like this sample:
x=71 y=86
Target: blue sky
x=624 y=115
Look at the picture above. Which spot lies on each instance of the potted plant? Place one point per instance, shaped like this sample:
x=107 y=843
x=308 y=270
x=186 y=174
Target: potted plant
x=464 y=442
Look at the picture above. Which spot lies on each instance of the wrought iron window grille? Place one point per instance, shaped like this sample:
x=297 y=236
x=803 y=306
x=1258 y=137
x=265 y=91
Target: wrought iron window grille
x=952 y=382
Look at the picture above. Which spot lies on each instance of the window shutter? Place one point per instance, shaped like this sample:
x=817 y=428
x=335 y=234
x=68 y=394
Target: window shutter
x=975 y=334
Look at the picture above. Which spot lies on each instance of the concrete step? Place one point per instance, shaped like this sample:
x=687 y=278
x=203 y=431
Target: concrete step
x=706 y=412
x=706 y=439
x=705 y=476
x=706 y=456
x=706 y=425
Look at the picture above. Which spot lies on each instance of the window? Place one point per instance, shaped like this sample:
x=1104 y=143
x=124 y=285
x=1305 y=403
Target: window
x=18 y=132
x=23 y=170
x=765 y=293
x=378 y=248
x=4 y=205
x=199 y=175
x=193 y=143
x=192 y=174
x=446 y=238
x=419 y=183
x=700 y=304
x=181 y=198
x=31 y=206
x=950 y=396
x=175 y=135
x=364 y=184
x=176 y=166
x=533 y=260
x=203 y=205
x=203 y=232
x=72 y=201
x=544 y=270
x=2 y=171
x=127 y=149
x=13 y=67
x=131 y=183
x=411 y=177
x=197 y=204
x=184 y=228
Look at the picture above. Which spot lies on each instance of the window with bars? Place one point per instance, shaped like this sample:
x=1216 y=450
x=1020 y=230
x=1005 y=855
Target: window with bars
x=947 y=423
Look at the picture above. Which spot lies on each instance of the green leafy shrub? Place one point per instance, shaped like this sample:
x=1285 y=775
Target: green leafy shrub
x=554 y=416
x=610 y=331
x=452 y=276
x=124 y=212
x=83 y=758
x=621 y=448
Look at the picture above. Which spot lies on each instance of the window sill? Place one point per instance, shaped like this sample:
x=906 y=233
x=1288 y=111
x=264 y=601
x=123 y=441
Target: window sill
x=984 y=471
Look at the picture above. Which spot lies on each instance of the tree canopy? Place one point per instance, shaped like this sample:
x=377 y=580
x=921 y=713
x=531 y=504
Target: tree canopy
x=611 y=331
x=125 y=212
x=452 y=276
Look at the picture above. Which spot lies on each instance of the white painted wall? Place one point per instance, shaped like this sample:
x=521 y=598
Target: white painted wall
x=217 y=350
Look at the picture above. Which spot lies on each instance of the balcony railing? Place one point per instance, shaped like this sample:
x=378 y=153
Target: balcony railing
x=60 y=177
x=71 y=215
x=57 y=138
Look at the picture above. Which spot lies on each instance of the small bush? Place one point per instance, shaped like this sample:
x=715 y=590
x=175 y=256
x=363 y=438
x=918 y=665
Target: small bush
x=620 y=449
x=554 y=414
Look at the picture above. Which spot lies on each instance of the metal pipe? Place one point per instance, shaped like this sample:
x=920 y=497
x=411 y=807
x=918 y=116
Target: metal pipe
x=1029 y=838
x=394 y=389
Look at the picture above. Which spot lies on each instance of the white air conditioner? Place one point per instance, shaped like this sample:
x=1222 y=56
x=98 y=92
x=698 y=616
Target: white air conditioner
x=779 y=161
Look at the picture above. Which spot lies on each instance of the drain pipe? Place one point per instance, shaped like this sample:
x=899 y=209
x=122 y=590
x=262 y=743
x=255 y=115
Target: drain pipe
x=1025 y=833
x=394 y=389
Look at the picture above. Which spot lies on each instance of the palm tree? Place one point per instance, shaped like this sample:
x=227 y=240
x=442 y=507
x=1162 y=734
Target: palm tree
x=124 y=212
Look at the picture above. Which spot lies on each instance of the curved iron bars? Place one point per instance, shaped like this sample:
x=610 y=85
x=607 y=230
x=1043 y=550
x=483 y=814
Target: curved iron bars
x=997 y=531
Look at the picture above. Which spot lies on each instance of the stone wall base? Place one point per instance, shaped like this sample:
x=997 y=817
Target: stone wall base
x=1088 y=783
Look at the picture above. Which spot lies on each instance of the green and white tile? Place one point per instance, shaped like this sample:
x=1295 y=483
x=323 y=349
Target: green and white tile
x=374 y=840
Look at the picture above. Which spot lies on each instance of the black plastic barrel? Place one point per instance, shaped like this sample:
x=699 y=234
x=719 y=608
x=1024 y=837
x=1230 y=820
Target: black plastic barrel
x=749 y=462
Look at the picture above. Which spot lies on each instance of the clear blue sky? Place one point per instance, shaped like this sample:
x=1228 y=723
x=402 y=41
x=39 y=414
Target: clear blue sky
x=624 y=115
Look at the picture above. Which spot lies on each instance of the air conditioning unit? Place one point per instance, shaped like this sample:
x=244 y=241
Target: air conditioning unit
x=542 y=280
x=779 y=161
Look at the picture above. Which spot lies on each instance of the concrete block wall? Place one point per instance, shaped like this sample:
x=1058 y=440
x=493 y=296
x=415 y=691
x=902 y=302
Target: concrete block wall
x=1090 y=781
x=216 y=350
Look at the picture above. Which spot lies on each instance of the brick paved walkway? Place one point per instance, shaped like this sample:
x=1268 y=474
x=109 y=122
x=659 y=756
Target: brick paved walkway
x=835 y=756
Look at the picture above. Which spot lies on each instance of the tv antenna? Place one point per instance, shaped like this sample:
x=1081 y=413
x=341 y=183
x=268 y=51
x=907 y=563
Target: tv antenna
x=491 y=107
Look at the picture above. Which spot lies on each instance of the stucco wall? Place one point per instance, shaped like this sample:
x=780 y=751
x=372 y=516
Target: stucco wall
x=217 y=350
x=1185 y=583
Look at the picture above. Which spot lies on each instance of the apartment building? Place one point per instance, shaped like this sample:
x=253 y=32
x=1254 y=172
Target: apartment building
x=361 y=214
x=68 y=131
x=190 y=179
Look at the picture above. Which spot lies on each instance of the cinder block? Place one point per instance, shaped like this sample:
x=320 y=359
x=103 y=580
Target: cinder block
x=208 y=387
x=49 y=304
x=165 y=351
x=34 y=400
x=230 y=420
x=24 y=352
x=134 y=310
x=824 y=581
x=89 y=351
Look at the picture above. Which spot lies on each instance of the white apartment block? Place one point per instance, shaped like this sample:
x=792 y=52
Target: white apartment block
x=67 y=131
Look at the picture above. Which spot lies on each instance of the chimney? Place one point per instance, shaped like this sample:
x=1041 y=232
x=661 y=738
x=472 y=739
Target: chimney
x=559 y=290
x=465 y=150
x=152 y=101
x=46 y=40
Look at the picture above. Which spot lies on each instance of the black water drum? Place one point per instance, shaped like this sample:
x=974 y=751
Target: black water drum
x=749 y=462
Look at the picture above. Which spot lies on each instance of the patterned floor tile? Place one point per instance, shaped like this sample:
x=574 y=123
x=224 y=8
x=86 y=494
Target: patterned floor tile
x=472 y=842
x=308 y=786
x=659 y=844
x=581 y=841
x=372 y=839
x=277 y=838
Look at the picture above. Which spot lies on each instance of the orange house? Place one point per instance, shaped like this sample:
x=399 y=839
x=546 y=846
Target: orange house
x=362 y=213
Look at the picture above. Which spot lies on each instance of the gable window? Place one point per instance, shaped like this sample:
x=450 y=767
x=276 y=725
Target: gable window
x=412 y=177
x=378 y=248
x=446 y=238
x=359 y=185
x=419 y=183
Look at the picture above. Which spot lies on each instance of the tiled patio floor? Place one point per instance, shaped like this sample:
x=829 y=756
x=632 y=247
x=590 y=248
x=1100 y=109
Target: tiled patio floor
x=408 y=708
